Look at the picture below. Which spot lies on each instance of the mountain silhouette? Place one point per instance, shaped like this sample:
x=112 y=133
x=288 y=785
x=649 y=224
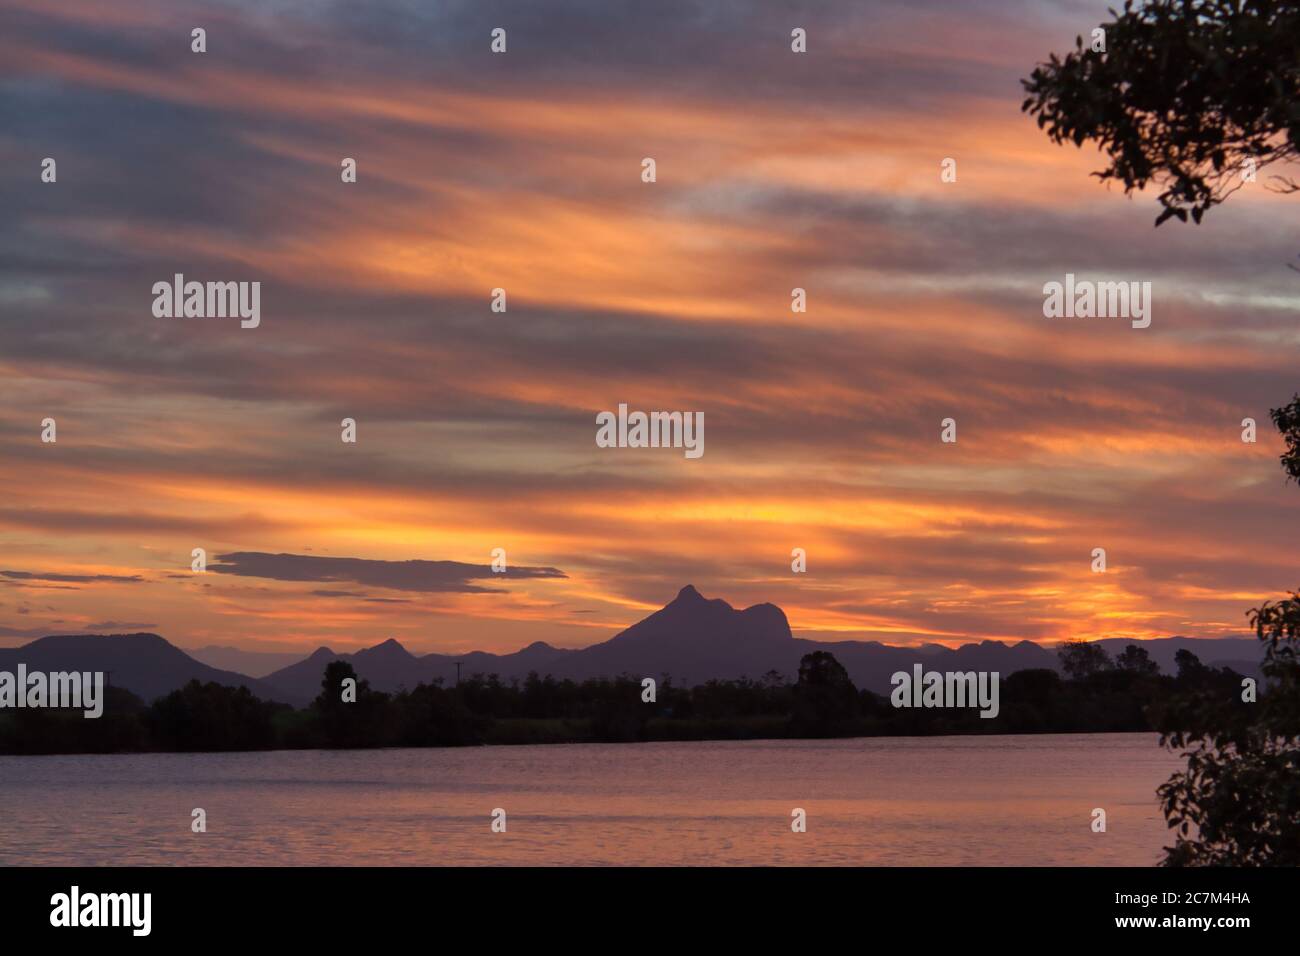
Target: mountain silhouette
x=145 y=664
x=391 y=667
x=695 y=639
x=692 y=638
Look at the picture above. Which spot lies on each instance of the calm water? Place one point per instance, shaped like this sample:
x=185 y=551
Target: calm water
x=917 y=801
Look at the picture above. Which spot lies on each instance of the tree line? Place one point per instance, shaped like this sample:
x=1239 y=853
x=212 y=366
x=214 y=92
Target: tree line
x=1094 y=693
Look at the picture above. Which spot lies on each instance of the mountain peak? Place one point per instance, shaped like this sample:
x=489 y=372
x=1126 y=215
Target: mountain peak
x=146 y=664
x=689 y=593
x=390 y=648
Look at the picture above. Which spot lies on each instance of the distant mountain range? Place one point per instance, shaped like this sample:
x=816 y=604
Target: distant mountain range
x=694 y=639
x=144 y=664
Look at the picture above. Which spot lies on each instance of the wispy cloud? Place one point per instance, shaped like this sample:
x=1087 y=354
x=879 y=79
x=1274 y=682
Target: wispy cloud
x=54 y=576
x=414 y=575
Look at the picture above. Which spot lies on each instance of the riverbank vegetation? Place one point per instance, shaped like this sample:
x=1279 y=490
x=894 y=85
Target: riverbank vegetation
x=1093 y=694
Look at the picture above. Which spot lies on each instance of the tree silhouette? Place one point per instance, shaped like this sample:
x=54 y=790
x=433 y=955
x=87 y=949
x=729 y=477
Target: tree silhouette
x=1238 y=802
x=824 y=695
x=1191 y=95
x=1287 y=420
x=1189 y=666
x=1187 y=94
x=211 y=716
x=330 y=698
x=1081 y=659
x=359 y=723
x=1137 y=660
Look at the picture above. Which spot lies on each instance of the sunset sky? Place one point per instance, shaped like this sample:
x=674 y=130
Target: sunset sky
x=476 y=430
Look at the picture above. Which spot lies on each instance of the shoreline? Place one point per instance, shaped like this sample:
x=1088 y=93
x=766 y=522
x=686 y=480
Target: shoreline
x=601 y=743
